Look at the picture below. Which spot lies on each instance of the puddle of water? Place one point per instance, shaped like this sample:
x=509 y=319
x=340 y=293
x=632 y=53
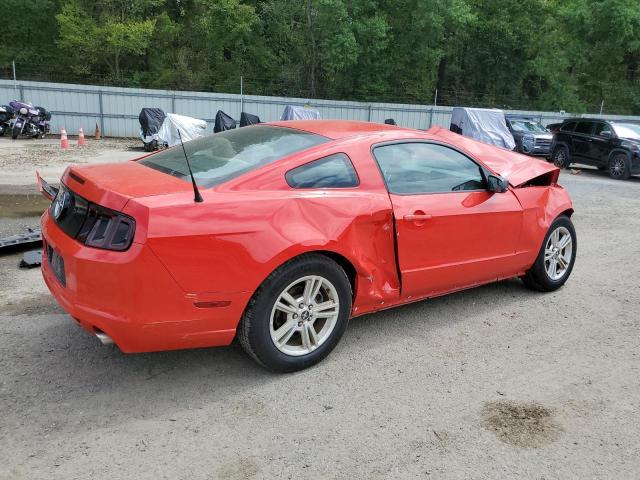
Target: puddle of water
x=20 y=205
x=528 y=425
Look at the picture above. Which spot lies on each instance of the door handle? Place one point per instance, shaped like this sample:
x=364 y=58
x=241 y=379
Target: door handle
x=417 y=217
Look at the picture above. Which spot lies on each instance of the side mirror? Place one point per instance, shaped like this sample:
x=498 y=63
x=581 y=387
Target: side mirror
x=497 y=184
x=606 y=134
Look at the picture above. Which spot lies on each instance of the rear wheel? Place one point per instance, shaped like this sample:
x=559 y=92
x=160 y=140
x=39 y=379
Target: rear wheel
x=560 y=157
x=555 y=259
x=298 y=314
x=619 y=168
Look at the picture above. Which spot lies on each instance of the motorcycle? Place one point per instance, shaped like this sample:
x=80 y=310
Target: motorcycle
x=6 y=114
x=30 y=121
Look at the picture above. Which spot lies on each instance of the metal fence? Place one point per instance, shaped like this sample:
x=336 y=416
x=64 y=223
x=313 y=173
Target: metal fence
x=116 y=109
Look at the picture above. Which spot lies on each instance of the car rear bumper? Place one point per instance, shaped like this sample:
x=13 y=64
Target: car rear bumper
x=133 y=299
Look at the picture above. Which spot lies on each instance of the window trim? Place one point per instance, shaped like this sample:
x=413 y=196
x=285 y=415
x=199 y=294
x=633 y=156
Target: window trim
x=353 y=167
x=484 y=171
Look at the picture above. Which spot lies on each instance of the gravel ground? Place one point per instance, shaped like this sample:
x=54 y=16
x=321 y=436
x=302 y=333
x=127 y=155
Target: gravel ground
x=19 y=159
x=495 y=382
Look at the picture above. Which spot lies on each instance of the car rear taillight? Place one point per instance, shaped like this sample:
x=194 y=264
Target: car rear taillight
x=108 y=229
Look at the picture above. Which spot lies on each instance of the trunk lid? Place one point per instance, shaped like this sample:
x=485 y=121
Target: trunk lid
x=112 y=185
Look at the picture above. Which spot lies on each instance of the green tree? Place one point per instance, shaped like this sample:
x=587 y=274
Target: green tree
x=605 y=49
x=29 y=35
x=106 y=32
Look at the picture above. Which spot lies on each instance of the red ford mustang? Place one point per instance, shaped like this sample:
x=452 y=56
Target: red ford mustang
x=289 y=229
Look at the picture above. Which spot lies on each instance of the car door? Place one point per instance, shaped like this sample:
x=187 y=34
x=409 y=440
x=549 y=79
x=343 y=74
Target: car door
x=451 y=232
x=602 y=144
x=581 y=140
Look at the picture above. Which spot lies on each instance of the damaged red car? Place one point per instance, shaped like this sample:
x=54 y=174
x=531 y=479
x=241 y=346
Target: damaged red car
x=277 y=234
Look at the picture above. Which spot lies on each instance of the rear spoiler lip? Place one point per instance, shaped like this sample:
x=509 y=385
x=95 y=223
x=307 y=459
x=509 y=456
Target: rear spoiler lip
x=47 y=191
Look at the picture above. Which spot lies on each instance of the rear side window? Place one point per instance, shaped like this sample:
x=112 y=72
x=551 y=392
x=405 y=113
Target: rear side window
x=568 y=127
x=334 y=171
x=585 y=127
x=223 y=156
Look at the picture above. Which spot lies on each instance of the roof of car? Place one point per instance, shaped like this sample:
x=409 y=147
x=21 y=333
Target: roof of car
x=585 y=119
x=336 y=129
x=521 y=117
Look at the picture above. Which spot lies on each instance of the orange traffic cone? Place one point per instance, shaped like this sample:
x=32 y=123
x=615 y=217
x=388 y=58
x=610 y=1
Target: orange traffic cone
x=81 y=141
x=64 y=142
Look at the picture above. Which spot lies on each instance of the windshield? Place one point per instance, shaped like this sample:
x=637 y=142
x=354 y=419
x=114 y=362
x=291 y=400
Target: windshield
x=527 y=126
x=627 y=130
x=222 y=156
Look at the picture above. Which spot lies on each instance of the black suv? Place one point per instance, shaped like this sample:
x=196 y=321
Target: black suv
x=613 y=146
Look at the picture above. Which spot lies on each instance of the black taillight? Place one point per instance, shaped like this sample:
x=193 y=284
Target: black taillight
x=108 y=229
x=91 y=224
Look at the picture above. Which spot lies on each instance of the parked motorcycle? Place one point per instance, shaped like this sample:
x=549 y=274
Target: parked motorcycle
x=30 y=121
x=6 y=115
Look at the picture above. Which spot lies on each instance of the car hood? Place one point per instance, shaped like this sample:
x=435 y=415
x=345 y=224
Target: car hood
x=516 y=168
x=547 y=136
x=112 y=185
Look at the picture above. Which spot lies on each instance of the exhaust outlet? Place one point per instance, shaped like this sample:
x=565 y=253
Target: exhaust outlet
x=104 y=338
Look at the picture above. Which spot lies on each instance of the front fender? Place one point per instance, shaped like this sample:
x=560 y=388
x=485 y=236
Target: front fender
x=541 y=206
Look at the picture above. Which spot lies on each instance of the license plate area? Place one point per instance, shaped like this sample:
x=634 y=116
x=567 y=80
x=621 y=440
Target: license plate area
x=57 y=265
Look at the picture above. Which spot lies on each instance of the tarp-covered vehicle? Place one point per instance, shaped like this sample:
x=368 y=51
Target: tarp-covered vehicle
x=223 y=122
x=160 y=130
x=292 y=112
x=482 y=124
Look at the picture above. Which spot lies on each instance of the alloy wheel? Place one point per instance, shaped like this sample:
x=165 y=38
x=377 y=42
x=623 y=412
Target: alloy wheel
x=617 y=167
x=560 y=159
x=304 y=315
x=557 y=253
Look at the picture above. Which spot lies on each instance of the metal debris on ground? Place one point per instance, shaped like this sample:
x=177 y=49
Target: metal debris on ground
x=31 y=238
x=31 y=259
x=575 y=172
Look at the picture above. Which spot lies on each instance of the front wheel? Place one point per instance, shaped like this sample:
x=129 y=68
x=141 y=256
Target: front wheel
x=555 y=259
x=15 y=132
x=298 y=314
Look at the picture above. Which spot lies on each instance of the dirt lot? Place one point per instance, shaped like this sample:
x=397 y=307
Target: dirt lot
x=19 y=159
x=496 y=382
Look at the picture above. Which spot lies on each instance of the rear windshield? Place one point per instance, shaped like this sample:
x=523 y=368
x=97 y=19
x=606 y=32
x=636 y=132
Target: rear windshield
x=222 y=156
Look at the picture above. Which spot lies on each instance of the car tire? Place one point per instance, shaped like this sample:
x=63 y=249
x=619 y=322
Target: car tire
x=279 y=329
x=619 y=167
x=561 y=157
x=542 y=276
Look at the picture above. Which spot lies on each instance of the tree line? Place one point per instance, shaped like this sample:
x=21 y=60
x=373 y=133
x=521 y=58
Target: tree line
x=568 y=55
